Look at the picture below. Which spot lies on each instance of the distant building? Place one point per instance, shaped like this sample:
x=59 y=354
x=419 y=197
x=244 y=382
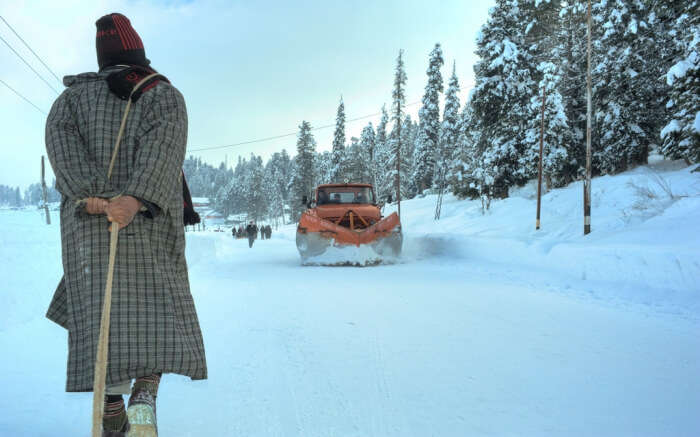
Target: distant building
x=201 y=202
x=213 y=218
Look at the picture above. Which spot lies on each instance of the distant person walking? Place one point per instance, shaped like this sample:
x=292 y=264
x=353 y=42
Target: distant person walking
x=154 y=325
x=252 y=232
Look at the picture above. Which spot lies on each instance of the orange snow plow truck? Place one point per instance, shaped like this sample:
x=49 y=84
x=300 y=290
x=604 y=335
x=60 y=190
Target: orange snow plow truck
x=344 y=226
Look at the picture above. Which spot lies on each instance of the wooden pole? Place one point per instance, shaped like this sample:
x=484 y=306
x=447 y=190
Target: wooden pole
x=587 y=183
x=45 y=195
x=539 y=177
x=100 y=375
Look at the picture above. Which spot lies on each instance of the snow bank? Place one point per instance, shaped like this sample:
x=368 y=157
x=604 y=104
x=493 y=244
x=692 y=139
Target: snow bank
x=644 y=240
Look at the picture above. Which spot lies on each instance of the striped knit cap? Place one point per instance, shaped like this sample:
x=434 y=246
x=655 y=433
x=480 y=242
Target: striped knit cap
x=118 y=42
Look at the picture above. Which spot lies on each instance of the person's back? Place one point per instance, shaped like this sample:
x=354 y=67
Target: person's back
x=251 y=231
x=155 y=325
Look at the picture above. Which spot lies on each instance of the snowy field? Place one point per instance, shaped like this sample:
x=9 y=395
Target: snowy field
x=484 y=326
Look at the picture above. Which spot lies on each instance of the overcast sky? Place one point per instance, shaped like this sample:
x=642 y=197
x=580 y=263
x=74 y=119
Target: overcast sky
x=247 y=69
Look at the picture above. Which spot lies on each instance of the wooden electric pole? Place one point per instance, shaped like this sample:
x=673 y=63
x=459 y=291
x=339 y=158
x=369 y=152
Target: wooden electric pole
x=45 y=195
x=539 y=177
x=587 y=183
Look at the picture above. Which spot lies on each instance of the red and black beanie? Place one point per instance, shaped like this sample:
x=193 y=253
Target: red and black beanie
x=118 y=42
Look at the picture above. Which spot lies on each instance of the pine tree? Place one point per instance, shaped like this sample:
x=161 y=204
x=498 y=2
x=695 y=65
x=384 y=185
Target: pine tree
x=357 y=162
x=681 y=135
x=381 y=158
x=322 y=168
x=572 y=64
x=466 y=157
x=276 y=180
x=339 y=156
x=18 y=198
x=302 y=182
x=255 y=198
x=409 y=132
x=394 y=141
x=621 y=88
x=230 y=198
x=556 y=166
x=367 y=144
x=285 y=173
x=381 y=128
x=660 y=53
x=426 y=148
x=500 y=95
x=450 y=126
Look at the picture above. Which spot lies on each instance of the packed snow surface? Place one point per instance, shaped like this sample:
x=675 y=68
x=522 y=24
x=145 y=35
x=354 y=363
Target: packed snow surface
x=484 y=326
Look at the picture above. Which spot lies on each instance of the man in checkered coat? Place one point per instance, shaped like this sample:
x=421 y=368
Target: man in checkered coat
x=154 y=326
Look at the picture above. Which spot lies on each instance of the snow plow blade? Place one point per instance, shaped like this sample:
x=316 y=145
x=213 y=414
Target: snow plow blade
x=322 y=242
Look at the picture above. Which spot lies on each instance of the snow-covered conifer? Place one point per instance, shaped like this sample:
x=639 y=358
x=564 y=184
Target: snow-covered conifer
x=368 y=145
x=426 y=148
x=557 y=135
x=500 y=96
x=449 y=132
x=622 y=91
x=255 y=195
x=394 y=141
x=338 y=155
x=303 y=178
x=681 y=134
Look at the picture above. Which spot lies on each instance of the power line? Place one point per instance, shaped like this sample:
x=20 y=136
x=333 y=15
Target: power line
x=27 y=63
x=260 y=140
x=21 y=96
x=30 y=49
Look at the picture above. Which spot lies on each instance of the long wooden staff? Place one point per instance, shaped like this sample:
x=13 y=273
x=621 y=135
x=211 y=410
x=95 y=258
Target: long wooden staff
x=98 y=385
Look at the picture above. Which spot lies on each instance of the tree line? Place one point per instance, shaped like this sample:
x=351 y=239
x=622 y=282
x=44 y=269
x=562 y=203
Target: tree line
x=32 y=196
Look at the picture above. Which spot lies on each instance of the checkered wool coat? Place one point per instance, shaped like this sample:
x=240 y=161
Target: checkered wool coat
x=154 y=325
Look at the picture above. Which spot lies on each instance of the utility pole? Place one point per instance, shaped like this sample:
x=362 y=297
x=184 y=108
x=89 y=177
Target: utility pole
x=539 y=177
x=441 y=191
x=587 y=183
x=43 y=187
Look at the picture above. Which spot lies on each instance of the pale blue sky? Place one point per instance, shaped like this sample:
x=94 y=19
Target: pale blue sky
x=247 y=69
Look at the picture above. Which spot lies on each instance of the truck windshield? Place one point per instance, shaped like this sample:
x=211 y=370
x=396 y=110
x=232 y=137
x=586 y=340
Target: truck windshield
x=339 y=195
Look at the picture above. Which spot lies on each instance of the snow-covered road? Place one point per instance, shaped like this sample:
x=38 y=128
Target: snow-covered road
x=432 y=348
x=435 y=346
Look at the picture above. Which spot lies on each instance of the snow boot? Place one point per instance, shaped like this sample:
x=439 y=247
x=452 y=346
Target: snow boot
x=142 y=407
x=114 y=422
x=142 y=418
